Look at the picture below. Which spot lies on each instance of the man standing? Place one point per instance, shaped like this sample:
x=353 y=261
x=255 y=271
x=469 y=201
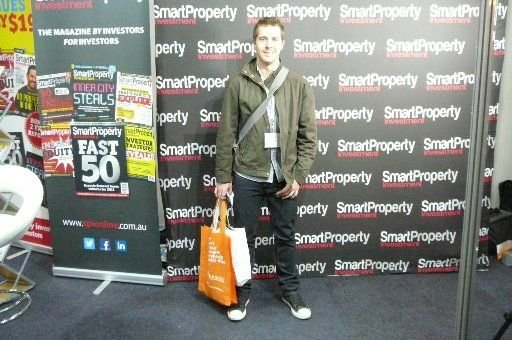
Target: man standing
x=272 y=160
x=26 y=98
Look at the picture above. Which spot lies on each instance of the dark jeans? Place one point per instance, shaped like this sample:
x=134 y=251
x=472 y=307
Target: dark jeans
x=249 y=197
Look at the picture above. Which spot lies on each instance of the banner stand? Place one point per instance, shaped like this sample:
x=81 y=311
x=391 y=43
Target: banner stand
x=33 y=246
x=99 y=109
x=474 y=180
x=156 y=280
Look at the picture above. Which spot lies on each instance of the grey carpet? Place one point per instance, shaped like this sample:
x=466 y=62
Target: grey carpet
x=367 y=307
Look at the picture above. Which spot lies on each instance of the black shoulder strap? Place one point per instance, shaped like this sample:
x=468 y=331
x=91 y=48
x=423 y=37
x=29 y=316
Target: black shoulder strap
x=278 y=81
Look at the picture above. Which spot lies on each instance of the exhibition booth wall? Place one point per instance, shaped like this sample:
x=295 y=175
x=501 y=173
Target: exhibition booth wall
x=393 y=83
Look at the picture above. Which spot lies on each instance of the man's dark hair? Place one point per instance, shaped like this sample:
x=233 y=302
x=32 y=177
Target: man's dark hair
x=30 y=68
x=267 y=21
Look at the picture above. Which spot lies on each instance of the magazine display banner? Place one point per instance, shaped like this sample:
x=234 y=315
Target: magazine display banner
x=393 y=82
x=96 y=67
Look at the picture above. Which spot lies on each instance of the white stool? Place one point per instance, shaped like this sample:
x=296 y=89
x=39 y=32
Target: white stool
x=27 y=187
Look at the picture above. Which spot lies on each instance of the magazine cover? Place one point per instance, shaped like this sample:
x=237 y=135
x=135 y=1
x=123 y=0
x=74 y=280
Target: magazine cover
x=56 y=98
x=140 y=152
x=57 y=150
x=7 y=89
x=94 y=92
x=26 y=100
x=134 y=99
x=99 y=159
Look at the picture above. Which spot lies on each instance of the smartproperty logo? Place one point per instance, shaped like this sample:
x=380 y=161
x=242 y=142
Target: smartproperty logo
x=285 y=12
x=494 y=111
x=224 y=50
x=327 y=180
x=377 y=14
x=415 y=238
x=188 y=84
x=449 y=208
x=418 y=114
x=190 y=215
x=330 y=48
x=172 y=118
x=329 y=116
x=190 y=15
x=174 y=48
x=422 y=48
x=461 y=14
x=416 y=178
x=371 y=209
x=369 y=267
x=456 y=81
x=373 y=148
x=209 y=119
x=445 y=147
x=438 y=265
x=375 y=82
x=191 y=151
x=182 y=273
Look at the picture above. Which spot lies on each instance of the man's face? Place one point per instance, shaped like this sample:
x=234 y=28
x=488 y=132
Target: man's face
x=268 y=45
x=31 y=80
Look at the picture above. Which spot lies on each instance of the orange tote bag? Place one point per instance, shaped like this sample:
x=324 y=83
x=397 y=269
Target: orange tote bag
x=216 y=276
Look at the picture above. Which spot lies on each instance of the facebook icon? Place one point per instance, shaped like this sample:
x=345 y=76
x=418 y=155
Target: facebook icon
x=105 y=244
x=121 y=246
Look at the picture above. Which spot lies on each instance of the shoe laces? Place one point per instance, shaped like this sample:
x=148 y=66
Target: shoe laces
x=296 y=301
x=242 y=301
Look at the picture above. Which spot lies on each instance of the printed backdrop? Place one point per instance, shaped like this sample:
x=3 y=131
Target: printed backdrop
x=393 y=82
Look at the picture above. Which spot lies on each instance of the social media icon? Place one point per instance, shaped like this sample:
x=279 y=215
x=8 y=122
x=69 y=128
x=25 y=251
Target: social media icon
x=89 y=243
x=121 y=246
x=105 y=244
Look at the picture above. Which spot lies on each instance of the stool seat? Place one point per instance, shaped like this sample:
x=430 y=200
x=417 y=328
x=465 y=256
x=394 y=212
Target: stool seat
x=25 y=184
x=25 y=188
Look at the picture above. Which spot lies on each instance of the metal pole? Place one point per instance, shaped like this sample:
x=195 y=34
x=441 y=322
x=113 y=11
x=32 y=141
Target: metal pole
x=474 y=178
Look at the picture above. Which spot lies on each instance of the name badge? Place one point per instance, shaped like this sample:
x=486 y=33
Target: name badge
x=271 y=140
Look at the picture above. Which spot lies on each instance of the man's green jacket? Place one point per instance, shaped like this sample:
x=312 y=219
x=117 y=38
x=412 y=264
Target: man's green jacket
x=295 y=105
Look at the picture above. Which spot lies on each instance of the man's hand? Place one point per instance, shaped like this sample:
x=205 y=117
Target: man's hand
x=222 y=189
x=289 y=191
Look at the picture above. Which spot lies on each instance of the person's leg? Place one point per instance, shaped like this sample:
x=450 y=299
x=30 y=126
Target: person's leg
x=283 y=213
x=247 y=211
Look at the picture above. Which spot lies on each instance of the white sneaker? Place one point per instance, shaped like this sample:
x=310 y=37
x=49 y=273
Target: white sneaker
x=297 y=306
x=237 y=312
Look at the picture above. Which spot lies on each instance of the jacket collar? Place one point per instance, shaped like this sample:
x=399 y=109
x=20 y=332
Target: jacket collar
x=250 y=70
